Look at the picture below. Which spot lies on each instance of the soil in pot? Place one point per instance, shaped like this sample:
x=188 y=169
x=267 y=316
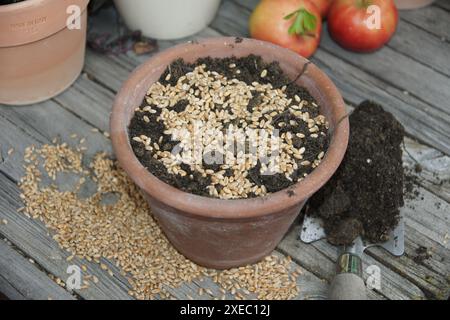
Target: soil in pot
x=366 y=192
x=244 y=97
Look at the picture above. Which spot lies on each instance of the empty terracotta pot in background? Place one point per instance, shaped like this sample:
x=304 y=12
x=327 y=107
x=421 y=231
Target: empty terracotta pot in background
x=227 y=233
x=412 y=4
x=39 y=55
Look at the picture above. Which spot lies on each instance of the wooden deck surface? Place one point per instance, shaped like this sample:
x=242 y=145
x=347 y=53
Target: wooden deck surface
x=410 y=77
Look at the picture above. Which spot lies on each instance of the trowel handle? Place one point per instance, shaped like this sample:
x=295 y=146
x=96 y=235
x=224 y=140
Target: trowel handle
x=348 y=283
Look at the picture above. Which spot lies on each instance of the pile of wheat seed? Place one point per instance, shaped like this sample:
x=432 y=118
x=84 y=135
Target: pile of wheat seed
x=125 y=233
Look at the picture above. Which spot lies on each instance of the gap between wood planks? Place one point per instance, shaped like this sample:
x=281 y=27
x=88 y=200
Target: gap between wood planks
x=33 y=247
x=421 y=115
x=97 y=71
x=31 y=133
x=15 y=281
x=439 y=117
x=110 y=88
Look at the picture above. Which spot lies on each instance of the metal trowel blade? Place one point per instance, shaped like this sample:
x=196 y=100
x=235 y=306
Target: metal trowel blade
x=312 y=230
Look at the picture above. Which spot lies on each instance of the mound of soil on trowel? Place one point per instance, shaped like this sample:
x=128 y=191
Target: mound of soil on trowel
x=365 y=194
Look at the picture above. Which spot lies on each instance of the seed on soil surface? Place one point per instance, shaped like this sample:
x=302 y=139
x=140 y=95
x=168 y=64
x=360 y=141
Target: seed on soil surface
x=214 y=94
x=142 y=251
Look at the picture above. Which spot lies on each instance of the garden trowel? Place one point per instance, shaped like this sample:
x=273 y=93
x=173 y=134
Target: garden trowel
x=348 y=283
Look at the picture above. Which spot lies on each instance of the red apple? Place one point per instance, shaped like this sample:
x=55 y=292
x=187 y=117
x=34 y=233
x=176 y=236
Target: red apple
x=362 y=25
x=293 y=24
x=323 y=6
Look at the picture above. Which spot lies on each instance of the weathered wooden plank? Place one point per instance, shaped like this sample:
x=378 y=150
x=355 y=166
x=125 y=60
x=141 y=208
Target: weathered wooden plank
x=432 y=19
x=356 y=85
x=444 y=4
x=20 y=279
x=33 y=238
x=419 y=119
x=233 y=17
x=109 y=72
x=435 y=167
x=48 y=120
x=311 y=287
x=423 y=19
x=426 y=225
x=90 y=99
x=205 y=33
x=417 y=44
x=430 y=123
x=420 y=81
x=414 y=294
x=330 y=266
x=321 y=257
x=36 y=240
x=380 y=64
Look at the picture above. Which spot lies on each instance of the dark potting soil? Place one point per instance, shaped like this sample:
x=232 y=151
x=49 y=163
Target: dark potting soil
x=421 y=254
x=250 y=68
x=365 y=194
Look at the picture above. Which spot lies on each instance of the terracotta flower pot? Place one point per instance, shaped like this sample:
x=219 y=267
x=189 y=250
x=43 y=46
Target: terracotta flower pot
x=227 y=233
x=39 y=55
x=412 y=4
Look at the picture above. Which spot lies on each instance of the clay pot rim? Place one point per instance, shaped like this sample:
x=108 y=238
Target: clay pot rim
x=19 y=6
x=207 y=207
x=20 y=12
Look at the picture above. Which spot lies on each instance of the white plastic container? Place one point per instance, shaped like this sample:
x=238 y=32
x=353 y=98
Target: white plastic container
x=167 y=19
